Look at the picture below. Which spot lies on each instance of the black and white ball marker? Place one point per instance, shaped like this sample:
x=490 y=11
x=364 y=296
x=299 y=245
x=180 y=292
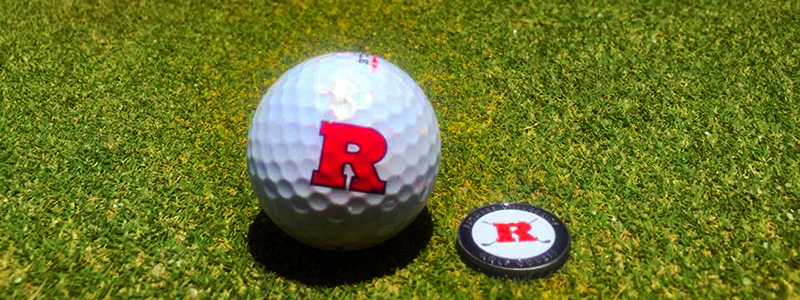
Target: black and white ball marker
x=513 y=240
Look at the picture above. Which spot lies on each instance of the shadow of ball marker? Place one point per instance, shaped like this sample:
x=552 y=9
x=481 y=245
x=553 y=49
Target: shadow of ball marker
x=279 y=253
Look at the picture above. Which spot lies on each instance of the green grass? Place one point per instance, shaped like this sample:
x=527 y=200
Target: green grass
x=666 y=135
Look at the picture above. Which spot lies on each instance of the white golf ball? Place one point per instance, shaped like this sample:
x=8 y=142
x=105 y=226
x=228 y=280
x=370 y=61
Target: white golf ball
x=343 y=151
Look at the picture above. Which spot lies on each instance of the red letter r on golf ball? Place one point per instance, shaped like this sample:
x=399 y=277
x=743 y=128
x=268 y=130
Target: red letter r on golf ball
x=371 y=148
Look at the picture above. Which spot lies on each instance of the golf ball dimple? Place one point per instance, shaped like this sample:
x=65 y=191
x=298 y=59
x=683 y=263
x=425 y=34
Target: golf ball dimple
x=343 y=151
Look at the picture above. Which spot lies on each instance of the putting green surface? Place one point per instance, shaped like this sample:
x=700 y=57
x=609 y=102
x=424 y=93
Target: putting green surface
x=665 y=135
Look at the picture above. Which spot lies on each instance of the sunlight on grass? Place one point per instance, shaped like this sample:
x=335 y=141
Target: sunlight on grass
x=665 y=135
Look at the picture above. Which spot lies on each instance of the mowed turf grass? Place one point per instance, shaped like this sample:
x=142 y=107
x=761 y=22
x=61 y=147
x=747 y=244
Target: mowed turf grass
x=664 y=134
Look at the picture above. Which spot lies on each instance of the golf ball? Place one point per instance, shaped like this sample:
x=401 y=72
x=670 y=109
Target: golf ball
x=343 y=151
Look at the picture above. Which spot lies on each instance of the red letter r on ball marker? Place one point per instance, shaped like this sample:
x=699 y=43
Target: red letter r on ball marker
x=336 y=138
x=521 y=229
